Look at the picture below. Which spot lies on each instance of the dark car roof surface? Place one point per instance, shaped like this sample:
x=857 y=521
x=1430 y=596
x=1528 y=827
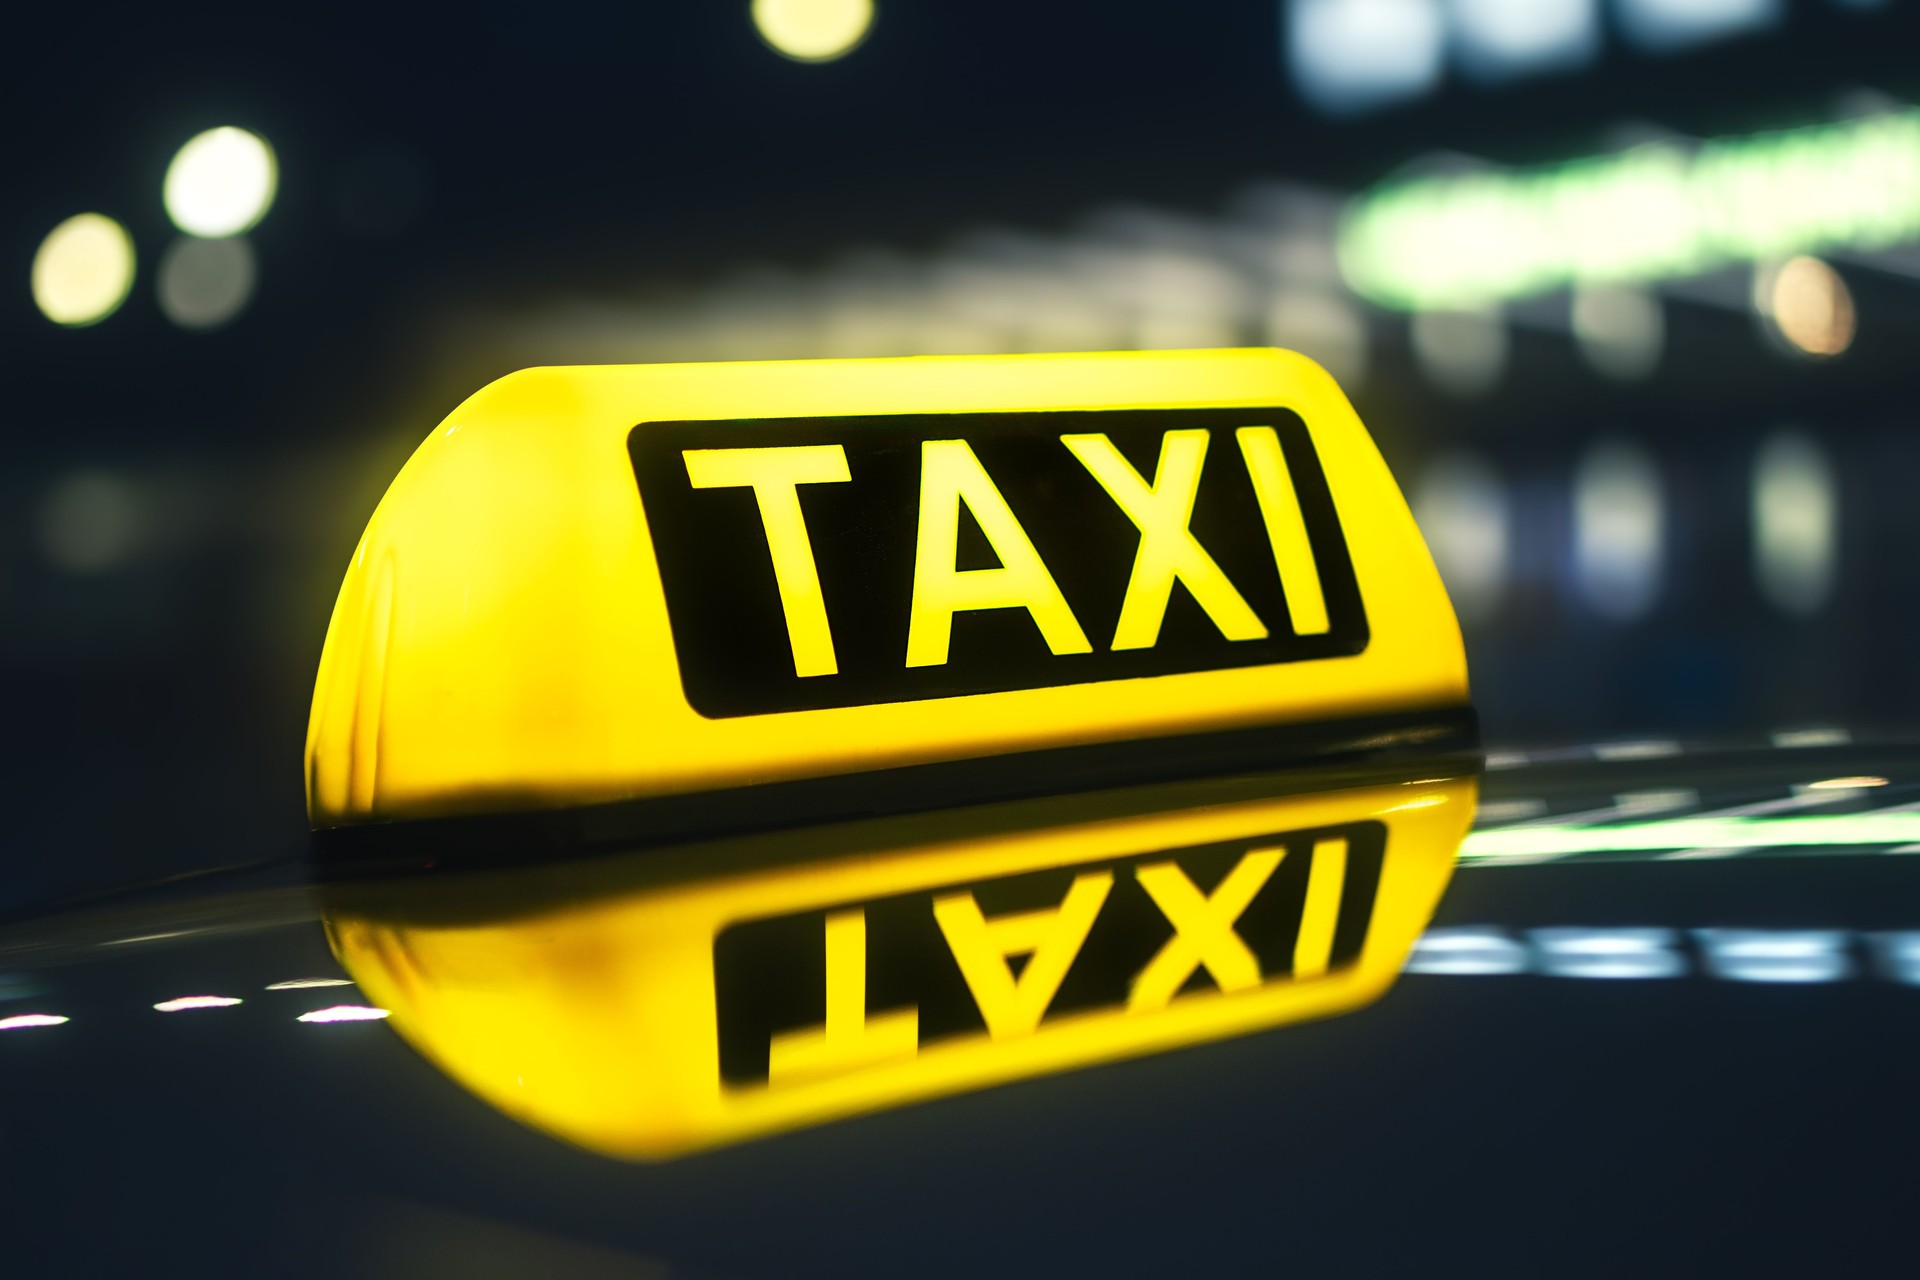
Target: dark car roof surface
x=1735 y=1100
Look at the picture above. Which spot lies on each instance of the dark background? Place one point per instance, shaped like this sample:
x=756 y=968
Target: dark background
x=468 y=191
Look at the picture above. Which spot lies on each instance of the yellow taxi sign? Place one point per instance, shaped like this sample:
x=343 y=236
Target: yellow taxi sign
x=611 y=583
x=903 y=960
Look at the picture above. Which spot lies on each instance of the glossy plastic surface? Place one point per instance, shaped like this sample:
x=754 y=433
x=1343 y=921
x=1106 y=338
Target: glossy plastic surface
x=903 y=960
x=502 y=639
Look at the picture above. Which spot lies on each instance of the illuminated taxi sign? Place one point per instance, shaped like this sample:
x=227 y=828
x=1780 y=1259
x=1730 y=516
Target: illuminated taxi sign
x=609 y=584
x=846 y=561
x=903 y=962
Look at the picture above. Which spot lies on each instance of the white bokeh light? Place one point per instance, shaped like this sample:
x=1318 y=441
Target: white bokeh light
x=813 y=30
x=1668 y=26
x=204 y=283
x=1620 y=330
x=221 y=183
x=1323 y=325
x=1497 y=39
x=83 y=270
x=1462 y=509
x=1776 y=955
x=1464 y=353
x=1796 y=517
x=1353 y=55
x=1619 y=530
x=90 y=521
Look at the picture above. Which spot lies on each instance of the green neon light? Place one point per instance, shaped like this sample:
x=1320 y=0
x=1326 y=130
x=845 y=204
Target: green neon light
x=1660 y=210
x=1551 y=841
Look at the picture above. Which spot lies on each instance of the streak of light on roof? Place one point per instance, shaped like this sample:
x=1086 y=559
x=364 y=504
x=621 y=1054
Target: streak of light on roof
x=21 y=1021
x=183 y=1003
x=1820 y=830
x=344 y=1013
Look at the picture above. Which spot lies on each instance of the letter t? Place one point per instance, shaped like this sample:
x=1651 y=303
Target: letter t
x=774 y=475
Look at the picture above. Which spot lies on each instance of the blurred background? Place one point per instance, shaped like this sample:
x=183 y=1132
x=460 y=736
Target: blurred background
x=1626 y=290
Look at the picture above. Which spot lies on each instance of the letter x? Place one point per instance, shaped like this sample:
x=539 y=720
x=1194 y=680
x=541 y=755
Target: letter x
x=1168 y=549
x=1203 y=929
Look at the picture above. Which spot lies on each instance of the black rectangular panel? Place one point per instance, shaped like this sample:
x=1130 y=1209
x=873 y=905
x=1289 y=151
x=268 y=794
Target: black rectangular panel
x=730 y=630
x=770 y=974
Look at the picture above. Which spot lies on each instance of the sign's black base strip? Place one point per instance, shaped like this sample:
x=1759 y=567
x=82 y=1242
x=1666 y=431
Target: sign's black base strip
x=508 y=836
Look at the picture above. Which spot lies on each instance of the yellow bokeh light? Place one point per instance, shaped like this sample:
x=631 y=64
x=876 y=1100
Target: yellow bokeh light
x=1811 y=307
x=813 y=30
x=83 y=270
x=221 y=182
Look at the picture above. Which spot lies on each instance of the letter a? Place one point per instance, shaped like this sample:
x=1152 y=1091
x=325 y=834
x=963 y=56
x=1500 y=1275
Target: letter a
x=1014 y=1006
x=949 y=475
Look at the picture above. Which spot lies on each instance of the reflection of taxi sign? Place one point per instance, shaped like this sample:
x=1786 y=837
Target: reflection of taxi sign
x=1293 y=903
x=602 y=584
x=904 y=959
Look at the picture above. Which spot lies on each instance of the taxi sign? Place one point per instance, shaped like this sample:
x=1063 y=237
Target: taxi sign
x=603 y=584
x=900 y=959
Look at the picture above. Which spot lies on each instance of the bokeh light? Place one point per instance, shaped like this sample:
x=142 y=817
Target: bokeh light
x=1619 y=530
x=1467 y=951
x=1796 y=517
x=1659 y=210
x=1462 y=352
x=1612 y=953
x=89 y=521
x=204 y=283
x=1324 y=326
x=1776 y=955
x=221 y=182
x=1498 y=39
x=1463 y=511
x=1353 y=55
x=83 y=270
x=1668 y=26
x=813 y=30
x=1620 y=329
x=1809 y=305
